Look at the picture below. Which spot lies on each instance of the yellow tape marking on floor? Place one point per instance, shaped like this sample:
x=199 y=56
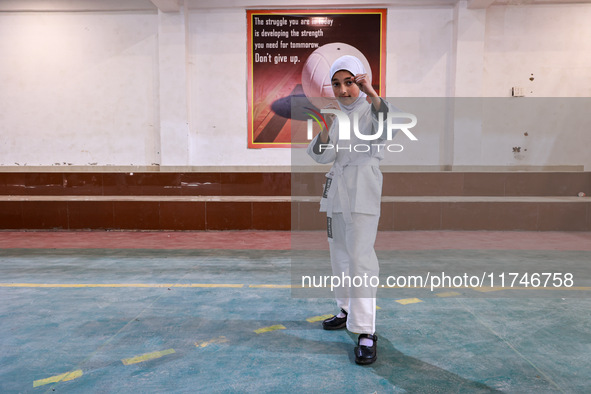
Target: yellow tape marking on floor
x=406 y=301
x=497 y=288
x=76 y=285
x=110 y=285
x=448 y=294
x=58 y=378
x=146 y=357
x=240 y=285
x=270 y=328
x=221 y=339
x=236 y=285
x=314 y=319
x=271 y=286
x=487 y=289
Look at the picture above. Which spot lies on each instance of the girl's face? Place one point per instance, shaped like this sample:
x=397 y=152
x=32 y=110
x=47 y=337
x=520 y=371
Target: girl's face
x=344 y=87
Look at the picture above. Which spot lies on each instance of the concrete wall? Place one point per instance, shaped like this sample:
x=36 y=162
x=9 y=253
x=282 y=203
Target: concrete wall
x=166 y=91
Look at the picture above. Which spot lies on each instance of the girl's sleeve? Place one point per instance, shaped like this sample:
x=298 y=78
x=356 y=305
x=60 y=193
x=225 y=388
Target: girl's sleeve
x=322 y=153
x=385 y=108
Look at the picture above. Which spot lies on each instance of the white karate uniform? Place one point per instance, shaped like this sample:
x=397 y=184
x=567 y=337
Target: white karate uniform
x=352 y=200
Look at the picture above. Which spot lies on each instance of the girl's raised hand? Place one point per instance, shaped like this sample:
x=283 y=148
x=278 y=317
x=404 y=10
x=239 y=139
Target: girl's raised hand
x=365 y=85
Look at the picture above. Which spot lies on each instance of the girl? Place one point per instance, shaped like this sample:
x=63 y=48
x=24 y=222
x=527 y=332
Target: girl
x=351 y=200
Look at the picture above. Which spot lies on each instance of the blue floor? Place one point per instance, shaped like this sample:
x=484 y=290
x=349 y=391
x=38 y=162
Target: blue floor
x=258 y=339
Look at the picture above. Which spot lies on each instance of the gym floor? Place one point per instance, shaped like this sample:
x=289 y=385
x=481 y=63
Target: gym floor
x=214 y=312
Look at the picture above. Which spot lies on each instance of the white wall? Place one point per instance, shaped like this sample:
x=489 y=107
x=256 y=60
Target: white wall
x=489 y=52
x=552 y=44
x=165 y=91
x=77 y=88
x=419 y=51
x=218 y=75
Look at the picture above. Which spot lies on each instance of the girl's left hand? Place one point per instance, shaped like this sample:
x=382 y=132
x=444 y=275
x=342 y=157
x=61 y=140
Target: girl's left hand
x=364 y=84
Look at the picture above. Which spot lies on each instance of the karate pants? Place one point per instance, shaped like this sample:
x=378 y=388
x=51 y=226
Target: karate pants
x=352 y=255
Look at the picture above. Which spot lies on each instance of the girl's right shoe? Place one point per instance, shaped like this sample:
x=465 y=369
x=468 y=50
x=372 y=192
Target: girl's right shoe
x=335 y=323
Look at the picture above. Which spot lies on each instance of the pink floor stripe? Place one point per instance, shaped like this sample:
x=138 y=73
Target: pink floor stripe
x=277 y=240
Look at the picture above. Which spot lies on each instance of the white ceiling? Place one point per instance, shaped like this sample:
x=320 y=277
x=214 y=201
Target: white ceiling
x=174 y=5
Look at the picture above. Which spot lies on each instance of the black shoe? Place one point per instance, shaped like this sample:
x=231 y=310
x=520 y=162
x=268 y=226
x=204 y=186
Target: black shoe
x=366 y=354
x=335 y=323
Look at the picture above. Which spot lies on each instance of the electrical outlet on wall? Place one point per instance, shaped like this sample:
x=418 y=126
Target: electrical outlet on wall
x=517 y=91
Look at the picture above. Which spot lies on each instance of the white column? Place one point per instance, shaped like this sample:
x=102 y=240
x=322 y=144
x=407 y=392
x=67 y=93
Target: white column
x=469 y=37
x=463 y=144
x=173 y=92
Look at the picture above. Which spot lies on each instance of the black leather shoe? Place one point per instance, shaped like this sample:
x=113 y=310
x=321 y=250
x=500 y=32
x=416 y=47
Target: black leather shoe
x=366 y=354
x=335 y=323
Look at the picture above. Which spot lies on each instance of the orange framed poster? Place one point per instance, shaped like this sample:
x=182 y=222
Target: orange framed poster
x=280 y=44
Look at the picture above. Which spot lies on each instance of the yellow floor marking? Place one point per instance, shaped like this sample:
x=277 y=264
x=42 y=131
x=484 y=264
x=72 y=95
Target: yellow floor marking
x=58 y=378
x=271 y=286
x=486 y=289
x=236 y=285
x=314 y=319
x=497 y=288
x=406 y=301
x=221 y=339
x=270 y=328
x=426 y=287
x=377 y=307
x=147 y=285
x=240 y=285
x=448 y=294
x=146 y=357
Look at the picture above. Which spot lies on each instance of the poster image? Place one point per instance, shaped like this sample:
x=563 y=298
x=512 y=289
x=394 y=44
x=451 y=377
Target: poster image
x=289 y=54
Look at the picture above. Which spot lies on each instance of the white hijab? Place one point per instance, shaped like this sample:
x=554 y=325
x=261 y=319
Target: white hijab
x=354 y=66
